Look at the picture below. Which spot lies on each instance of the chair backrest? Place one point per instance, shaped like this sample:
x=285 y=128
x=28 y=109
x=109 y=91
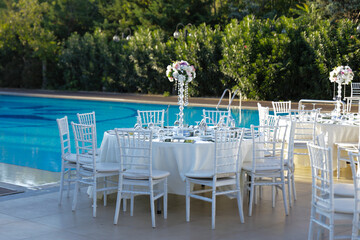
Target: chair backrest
x=268 y=152
x=306 y=121
x=88 y=119
x=281 y=107
x=227 y=158
x=322 y=176
x=85 y=143
x=135 y=150
x=355 y=89
x=320 y=140
x=213 y=117
x=263 y=114
x=290 y=144
x=151 y=118
x=271 y=121
x=64 y=133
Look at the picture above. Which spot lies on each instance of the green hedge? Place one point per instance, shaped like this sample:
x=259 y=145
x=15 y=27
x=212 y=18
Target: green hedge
x=282 y=59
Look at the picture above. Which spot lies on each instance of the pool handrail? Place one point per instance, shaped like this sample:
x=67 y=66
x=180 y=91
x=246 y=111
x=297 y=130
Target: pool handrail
x=231 y=98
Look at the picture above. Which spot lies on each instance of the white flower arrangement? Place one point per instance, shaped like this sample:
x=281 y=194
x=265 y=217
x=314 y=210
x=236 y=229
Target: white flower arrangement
x=341 y=75
x=181 y=71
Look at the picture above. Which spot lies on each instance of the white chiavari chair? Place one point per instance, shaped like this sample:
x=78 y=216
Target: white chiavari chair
x=137 y=176
x=225 y=172
x=88 y=168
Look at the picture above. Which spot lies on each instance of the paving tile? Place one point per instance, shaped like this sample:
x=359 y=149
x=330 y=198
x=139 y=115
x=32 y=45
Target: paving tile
x=40 y=217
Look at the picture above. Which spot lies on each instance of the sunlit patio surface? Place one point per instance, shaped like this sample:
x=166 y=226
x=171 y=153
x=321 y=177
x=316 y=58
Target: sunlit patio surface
x=35 y=214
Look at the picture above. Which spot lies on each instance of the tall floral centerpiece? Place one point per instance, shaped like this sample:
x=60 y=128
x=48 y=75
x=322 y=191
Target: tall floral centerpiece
x=340 y=75
x=182 y=73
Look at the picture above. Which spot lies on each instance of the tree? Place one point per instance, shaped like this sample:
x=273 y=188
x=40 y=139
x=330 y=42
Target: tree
x=24 y=23
x=65 y=17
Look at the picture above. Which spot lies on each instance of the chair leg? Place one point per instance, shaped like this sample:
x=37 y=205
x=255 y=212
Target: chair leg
x=187 y=200
x=310 y=233
x=284 y=196
x=61 y=183
x=289 y=187
x=293 y=185
x=239 y=201
x=94 y=197
x=105 y=192
x=118 y=201
x=131 y=202
x=69 y=177
x=338 y=162
x=251 y=197
x=331 y=233
x=355 y=227
x=76 y=190
x=213 y=207
x=152 y=204
x=165 y=198
x=255 y=194
x=273 y=193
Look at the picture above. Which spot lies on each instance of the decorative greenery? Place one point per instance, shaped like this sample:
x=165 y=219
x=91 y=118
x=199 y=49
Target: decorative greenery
x=270 y=50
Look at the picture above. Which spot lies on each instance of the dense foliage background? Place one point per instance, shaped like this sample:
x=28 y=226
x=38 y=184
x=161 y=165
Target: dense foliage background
x=269 y=49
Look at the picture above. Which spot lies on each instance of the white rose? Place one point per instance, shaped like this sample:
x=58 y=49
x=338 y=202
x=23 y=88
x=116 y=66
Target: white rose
x=181 y=78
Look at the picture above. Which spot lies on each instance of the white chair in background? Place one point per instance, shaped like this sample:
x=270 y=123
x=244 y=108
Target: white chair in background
x=305 y=130
x=325 y=209
x=289 y=165
x=68 y=159
x=349 y=147
x=267 y=166
x=151 y=118
x=226 y=169
x=137 y=176
x=263 y=114
x=88 y=168
x=89 y=119
x=281 y=108
x=354 y=163
x=341 y=190
x=214 y=117
x=354 y=96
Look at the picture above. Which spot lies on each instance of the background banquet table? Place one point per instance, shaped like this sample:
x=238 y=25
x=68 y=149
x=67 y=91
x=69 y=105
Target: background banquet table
x=334 y=133
x=176 y=157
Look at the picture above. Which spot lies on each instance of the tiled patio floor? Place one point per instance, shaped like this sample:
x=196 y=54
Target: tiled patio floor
x=37 y=215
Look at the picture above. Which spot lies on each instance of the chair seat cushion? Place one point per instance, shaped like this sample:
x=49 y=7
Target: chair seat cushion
x=103 y=167
x=144 y=174
x=207 y=174
x=342 y=205
x=87 y=159
x=263 y=166
x=347 y=145
x=344 y=190
x=71 y=157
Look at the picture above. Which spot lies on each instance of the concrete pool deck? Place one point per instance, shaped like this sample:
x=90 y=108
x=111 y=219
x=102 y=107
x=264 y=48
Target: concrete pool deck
x=148 y=98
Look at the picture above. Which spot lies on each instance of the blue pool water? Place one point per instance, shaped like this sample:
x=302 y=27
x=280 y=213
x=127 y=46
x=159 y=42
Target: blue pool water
x=29 y=135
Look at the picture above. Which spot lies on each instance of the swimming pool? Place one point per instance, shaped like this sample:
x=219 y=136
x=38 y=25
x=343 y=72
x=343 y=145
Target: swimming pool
x=29 y=135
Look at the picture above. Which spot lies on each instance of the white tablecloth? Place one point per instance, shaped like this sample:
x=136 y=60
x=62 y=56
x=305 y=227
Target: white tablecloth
x=334 y=133
x=176 y=157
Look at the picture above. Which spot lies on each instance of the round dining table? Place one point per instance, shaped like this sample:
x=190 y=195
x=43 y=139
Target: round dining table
x=177 y=157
